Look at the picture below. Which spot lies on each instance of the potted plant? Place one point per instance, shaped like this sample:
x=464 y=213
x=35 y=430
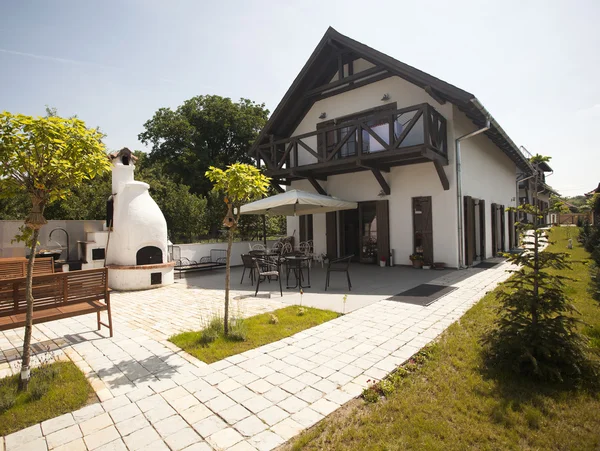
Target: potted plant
x=382 y=261
x=417 y=260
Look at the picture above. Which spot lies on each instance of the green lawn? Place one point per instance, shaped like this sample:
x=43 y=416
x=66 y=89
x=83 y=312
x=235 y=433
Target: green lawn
x=453 y=402
x=54 y=389
x=260 y=332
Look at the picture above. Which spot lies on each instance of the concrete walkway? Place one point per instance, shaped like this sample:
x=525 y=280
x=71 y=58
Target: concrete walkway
x=154 y=396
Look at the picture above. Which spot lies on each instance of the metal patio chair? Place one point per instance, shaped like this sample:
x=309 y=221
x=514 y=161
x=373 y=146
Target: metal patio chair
x=341 y=264
x=248 y=263
x=266 y=269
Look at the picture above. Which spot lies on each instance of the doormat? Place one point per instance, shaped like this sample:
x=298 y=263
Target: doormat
x=422 y=295
x=485 y=265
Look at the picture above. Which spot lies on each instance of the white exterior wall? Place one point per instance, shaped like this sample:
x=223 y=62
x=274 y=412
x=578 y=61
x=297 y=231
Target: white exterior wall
x=405 y=94
x=487 y=173
x=405 y=183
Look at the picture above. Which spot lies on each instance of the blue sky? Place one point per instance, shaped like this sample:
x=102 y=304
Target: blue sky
x=534 y=64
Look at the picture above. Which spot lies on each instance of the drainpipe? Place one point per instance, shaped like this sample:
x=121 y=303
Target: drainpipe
x=461 y=244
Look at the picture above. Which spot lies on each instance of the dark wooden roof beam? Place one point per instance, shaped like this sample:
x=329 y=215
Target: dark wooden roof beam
x=334 y=84
x=304 y=175
x=371 y=165
x=442 y=174
x=354 y=85
x=435 y=95
x=317 y=186
x=381 y=180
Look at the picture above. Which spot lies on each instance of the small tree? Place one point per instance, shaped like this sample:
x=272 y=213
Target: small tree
x=44 y=157
x=240 y=183
x=536 y=333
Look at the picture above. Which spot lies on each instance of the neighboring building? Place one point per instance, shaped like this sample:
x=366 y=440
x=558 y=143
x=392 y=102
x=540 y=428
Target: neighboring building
x=527 y=189
x=359 y=125
x=596 y=206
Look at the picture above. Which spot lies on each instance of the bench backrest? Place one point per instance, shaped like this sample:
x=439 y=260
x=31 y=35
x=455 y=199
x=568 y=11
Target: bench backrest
x=218 y=256
x=53 y=290
x=11 y=268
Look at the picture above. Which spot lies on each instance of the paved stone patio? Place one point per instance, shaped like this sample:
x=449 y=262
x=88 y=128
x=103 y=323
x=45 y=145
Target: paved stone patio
x=155 y=396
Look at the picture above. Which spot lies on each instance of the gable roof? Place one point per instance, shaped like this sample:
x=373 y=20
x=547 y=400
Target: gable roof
x=322 y=66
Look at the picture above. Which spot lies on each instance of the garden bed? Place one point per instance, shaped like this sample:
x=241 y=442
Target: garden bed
x=451 y=400
x=259 y=330
x=54 y=389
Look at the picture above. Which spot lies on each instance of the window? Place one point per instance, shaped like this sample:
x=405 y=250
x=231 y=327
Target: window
x=350 y=147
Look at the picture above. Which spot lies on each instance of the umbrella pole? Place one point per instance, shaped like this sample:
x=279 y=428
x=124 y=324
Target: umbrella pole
x=264 y=224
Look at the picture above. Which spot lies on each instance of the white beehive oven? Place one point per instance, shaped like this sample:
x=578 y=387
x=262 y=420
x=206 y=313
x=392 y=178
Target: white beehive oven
x=136 y=254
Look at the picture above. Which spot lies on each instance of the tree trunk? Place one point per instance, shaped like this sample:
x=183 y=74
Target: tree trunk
x=25 y=370
x=228 y=278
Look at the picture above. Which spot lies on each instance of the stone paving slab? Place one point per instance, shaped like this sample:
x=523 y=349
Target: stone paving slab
x=155 y=396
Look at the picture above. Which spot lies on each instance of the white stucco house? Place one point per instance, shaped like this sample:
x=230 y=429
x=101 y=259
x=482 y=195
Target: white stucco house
x=431 y=169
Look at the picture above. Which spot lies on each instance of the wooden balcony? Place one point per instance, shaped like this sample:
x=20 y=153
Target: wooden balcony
x=375 y=142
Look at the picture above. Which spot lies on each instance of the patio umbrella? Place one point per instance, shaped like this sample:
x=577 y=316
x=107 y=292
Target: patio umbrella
x=296 y=203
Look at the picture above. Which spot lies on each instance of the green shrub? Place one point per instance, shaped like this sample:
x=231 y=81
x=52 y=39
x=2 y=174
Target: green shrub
x=301 y=311
x=38 y=390
x=594 y=287
x=536 y=333
x=371 y=394
x=273 y=319
x=387 y=386
x=8 y=398
x=216 y=324
x=208 y=336
x=238 y=330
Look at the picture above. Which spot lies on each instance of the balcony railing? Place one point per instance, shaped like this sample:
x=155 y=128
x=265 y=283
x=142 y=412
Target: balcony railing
x=385 y=134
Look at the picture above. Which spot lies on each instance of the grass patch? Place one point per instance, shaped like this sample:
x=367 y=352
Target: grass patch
x=452 y=401
x=258 y=330
x=54 y=389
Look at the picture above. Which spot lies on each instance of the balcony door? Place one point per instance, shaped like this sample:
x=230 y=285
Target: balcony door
x=349 y=149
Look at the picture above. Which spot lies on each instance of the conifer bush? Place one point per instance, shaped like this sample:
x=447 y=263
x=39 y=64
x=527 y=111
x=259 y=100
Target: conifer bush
x=536 y=334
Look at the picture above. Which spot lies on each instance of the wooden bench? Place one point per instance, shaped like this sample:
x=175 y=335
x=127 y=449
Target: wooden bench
x=56 y=296
x=14 y=267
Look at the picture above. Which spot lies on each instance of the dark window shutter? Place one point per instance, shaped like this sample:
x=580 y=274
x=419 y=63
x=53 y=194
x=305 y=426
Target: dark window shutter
x=331 y=232
x=502 y=228
x=383 y=230
x=469 y=230
x=321 y=144
x=494 y=225
x=511 y=229
x=482 y=229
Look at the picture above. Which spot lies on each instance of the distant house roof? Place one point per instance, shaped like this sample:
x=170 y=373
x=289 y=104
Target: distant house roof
x=594 y=191
x=323 y=64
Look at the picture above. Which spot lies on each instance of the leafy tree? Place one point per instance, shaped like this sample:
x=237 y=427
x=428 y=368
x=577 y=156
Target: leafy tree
x=205 y=131
x=183 y=211
x=44 y=157
x=241 y=183
x=536 y=333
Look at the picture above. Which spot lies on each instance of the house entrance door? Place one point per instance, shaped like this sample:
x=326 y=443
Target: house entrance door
x=349 y=234
x=367 y=216
x=423 y=228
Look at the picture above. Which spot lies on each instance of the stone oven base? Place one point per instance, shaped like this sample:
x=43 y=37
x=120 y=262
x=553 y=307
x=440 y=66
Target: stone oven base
x=140 y=277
